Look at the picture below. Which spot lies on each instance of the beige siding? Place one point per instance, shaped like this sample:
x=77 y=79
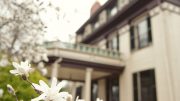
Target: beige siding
x=102 y=44
x=163 y=55
x=173 y=50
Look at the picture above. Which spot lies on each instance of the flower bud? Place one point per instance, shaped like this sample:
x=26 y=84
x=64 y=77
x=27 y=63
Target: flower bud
x=24 y=77
x=10 y=89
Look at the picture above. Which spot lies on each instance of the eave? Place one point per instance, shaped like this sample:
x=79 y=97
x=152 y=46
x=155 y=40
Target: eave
x=122 y=18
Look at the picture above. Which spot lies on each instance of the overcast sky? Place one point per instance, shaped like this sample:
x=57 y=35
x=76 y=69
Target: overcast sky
x=73 y=13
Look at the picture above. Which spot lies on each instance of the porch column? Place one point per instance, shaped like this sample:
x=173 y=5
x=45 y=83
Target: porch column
x=88 y=84
x=55 y=65
x=54 y=72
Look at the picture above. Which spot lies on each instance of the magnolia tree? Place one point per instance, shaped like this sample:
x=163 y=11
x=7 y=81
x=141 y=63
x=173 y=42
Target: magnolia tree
x=46 y=93
x=22 y=30
x=20 y=27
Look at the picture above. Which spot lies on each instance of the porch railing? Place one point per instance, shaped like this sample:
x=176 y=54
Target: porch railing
x=84 y=49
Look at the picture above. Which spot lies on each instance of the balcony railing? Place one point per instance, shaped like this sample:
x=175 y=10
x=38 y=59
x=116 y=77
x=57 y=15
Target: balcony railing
x=84 y=49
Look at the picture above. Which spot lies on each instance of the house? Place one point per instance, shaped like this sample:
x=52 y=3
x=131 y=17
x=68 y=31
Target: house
x=147 y=34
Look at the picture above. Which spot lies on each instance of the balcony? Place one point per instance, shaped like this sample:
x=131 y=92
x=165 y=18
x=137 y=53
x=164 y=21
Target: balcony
x=75 y=58
x=84 y=49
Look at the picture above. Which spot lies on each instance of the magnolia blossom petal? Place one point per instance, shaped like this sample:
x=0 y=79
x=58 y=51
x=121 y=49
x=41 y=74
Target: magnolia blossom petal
x=43 y=85
x=77 y=99
x=59 y=86
x=25 y=64
x=64 y=95
x=14 y=72
x=37 y=87
x=41 y=97
x=16 y=65
x=98 y=99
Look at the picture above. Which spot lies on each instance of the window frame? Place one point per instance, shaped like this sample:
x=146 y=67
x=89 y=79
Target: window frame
x=109 y=42
x=136 y=36
x=137 y=83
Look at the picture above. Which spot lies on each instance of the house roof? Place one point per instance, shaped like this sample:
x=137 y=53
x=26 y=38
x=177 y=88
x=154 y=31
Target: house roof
x=95 y=15
x=123 y=17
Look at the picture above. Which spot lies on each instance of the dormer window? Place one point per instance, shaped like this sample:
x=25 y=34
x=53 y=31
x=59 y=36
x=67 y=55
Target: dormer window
x=96 y=25
x=113 y=11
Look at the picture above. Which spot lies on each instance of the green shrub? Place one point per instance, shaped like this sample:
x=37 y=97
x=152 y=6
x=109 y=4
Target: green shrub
x=23 y=89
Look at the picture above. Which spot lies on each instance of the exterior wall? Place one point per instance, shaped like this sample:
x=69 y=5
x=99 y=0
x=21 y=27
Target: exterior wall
x=102 y=89
x=172 y=18
x=88 y=29
x=162 y=55
x=125 y=78
x=102 y=44
x=124 y=41
x=78 y=38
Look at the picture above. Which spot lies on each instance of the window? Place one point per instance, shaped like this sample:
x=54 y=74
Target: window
x=113 y=43
x=113 y=11
x=112 y=85
x=140 y=34
x=144 y=86
x=94 y=91
x=79 y=92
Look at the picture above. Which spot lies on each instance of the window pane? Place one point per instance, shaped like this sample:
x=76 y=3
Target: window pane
x=112 y=88
x=94 y=90
x=114 y=43
x=115 y=90
x=113 y=11
x=143 y=33
x=148 y=87
x=144 y=86
x=118 y=42
x=132 y=38
x=149 y=29
x=143 y=27
x=79 y=92
x=135 y=87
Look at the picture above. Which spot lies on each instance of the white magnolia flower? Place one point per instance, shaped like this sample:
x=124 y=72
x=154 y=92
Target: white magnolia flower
x=23 y=69
x=51 y=93
x=77 y=99
x=1 y=92
x=98 y=99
